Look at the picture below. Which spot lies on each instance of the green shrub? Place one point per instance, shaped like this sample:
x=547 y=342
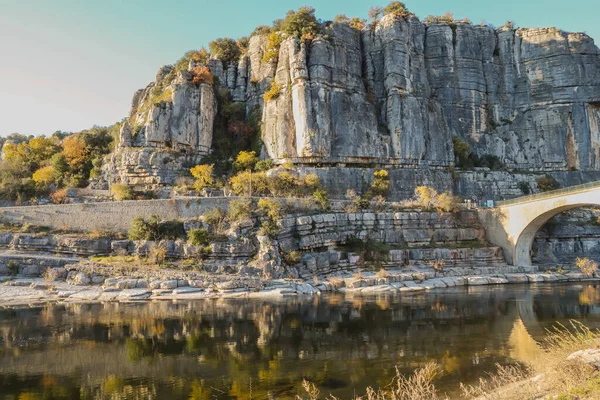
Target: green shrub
x=300 y=23
x=121 y=191
x=141 y=229
x=269 y=228
x=13 y=267
x=225 y=49
x=273 y=93
x=524 y=186
x=292 y=258
x=547 y=183
x=199 y=237
x=271 y=208
x=396 y=8
x=240 y=210
x=261 y=30
x=216 y=219
x=320 y=196
x=264 y=165
x=155 y=229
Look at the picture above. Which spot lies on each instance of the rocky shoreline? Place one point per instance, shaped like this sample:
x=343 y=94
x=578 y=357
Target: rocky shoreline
x=80 y=287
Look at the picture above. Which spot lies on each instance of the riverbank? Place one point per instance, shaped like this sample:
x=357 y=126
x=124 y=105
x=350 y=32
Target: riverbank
x=80 y=286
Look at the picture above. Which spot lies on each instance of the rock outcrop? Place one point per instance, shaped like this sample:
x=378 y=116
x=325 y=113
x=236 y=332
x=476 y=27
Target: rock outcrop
x=392 y=95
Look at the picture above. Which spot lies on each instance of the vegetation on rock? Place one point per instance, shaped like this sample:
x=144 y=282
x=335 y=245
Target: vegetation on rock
x=547 y=183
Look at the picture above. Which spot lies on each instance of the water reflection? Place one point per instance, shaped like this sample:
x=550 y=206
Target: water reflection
x=258 y=349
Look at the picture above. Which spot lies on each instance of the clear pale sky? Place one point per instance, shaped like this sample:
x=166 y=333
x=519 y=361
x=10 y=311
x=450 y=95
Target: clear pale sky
x=70 y=64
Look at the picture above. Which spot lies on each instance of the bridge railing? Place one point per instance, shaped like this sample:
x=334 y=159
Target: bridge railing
x=549 y=194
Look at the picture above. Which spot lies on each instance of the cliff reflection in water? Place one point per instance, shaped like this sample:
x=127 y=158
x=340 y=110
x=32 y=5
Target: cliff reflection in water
x=237 y=348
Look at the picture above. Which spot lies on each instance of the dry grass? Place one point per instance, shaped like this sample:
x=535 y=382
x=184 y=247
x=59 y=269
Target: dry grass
x=418 y=386
x=547 y=372
x=358 y=274
x=382 y=273
x=587 y=266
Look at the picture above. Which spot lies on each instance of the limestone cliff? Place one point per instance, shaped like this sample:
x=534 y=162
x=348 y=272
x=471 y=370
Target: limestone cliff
x=394 y=95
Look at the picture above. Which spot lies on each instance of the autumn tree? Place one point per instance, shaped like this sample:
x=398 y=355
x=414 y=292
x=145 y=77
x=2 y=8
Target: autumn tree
x=245 y=160
x=75 y=151
x=45 y=175
x=203 y=174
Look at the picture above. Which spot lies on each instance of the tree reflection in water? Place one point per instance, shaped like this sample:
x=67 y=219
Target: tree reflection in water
x=237 y=348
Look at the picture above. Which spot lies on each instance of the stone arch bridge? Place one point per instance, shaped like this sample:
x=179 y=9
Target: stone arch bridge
x=512 y=224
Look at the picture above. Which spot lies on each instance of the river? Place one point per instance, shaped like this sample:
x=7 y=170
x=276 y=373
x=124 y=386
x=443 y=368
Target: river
x=260 y=349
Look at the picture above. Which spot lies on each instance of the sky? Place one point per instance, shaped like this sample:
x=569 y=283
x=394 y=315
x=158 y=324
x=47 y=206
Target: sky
x=70 y=64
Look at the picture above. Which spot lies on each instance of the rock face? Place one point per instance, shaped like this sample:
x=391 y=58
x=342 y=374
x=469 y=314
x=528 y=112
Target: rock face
x=393 y=96
x=399 y=92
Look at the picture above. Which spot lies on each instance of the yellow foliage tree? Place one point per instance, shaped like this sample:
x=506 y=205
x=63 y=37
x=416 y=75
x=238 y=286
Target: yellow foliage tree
x=203 y=174
x=240 y=183
x=245 y=160
x=74 y=151
x=45 y=175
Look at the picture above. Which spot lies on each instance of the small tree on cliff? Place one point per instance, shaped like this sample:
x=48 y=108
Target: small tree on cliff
x=301 y=23
x=204 y=175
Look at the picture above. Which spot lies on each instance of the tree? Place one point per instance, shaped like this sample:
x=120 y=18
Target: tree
x=245 y=160
x=242 y=132
x=302 y=22
x=380 y=186
x=375 y=13
x=45 y=175
x=75 y=151
x=203 y=174
x=225 y=49
x=201 y=74
x=396 y=8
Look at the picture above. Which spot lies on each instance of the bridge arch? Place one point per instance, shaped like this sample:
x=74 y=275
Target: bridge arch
x=524 y=243
x=513 y=224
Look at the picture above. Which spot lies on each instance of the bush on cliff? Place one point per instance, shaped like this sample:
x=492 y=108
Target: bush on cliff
x=240 y=210
x=155 y=229
x=204 y=176
x=273 y=93
x=199 y=237
x=248 y=183
x=225 y=49
x=396 y=8
x=547 y=183
x=201 y=74
x=245 y=160
x=380 y=186
x=122 y=191
x=429 y=199
x=301 y=22
x=273 y=46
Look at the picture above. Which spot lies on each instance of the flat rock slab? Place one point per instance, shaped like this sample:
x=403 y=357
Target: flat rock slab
x=516 y=278
x=131 y=294
x=477 y=280
x=85 y=295
x=186 y=289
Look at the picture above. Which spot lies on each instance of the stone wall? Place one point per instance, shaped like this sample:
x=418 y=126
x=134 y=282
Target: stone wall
x=109 y=216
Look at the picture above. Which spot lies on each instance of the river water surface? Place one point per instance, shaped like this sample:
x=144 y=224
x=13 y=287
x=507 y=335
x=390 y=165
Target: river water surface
x=223 y=349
